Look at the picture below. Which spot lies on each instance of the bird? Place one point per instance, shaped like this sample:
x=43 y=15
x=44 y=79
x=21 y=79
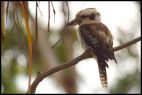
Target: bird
x=95 y=35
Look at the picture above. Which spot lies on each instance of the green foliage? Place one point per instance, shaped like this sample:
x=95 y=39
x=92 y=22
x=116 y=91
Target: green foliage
x=126 y=83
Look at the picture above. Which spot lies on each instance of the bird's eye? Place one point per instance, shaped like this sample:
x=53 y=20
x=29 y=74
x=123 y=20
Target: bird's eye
x=92 y=16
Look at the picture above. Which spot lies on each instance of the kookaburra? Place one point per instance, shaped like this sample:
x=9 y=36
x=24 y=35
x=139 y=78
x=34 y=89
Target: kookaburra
x=95 y=35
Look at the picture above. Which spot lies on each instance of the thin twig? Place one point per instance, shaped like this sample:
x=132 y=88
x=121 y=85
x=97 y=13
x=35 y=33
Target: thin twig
x=48 y=15
x=39 y=8
x=127 y=44
x=72 y=62
x=7 y=10
x=68 y=9
x=53 y=10
x=57 y=42
x=36 y=24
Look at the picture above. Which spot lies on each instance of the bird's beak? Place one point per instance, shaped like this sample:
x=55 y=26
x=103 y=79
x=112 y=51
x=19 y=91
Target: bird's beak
x=73 y=22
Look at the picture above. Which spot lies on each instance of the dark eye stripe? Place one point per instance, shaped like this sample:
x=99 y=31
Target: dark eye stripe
x=83 y=16
x=92 y=16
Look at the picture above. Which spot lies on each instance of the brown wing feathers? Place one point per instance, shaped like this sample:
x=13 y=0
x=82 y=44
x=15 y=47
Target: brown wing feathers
x=102 y=46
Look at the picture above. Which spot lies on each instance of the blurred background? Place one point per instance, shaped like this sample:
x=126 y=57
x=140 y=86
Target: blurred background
x=123 y=20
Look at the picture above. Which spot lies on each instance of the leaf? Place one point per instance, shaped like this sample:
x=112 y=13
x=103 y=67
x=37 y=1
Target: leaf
x=24 y=8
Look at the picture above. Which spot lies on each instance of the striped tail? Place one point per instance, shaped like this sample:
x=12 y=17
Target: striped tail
x=103 y=74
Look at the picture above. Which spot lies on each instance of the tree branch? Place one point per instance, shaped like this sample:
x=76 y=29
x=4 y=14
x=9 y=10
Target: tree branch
x=127 y=44
x=86 y=54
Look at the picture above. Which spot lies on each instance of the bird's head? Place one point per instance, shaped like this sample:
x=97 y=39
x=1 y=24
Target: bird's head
x=86 y=16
